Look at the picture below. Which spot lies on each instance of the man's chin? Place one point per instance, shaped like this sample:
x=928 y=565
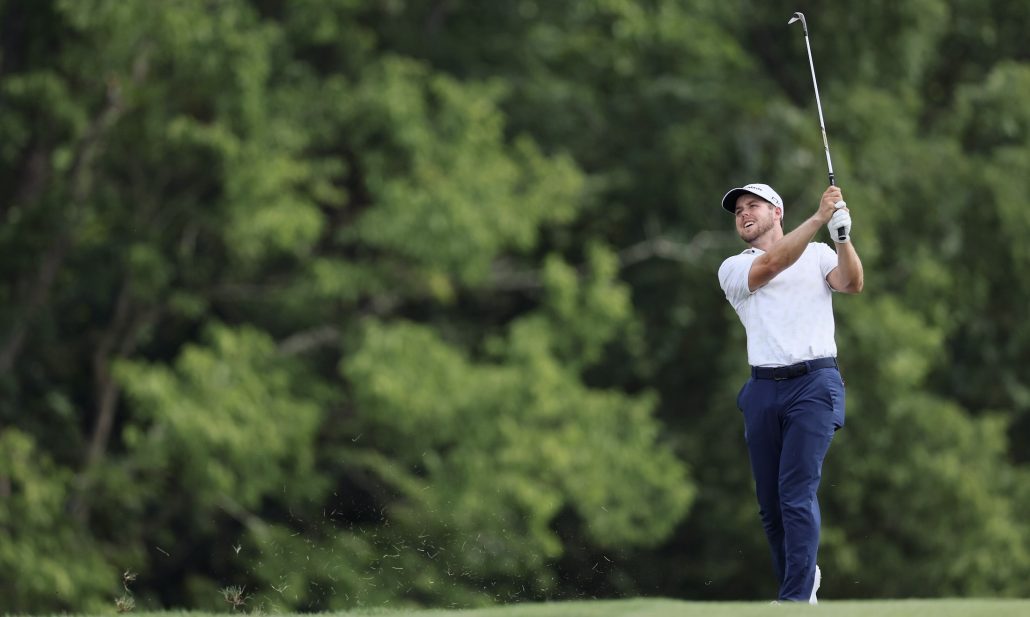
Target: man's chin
x=753 y=233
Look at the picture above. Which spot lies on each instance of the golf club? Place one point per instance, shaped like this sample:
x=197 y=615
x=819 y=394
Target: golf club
x=822 y=124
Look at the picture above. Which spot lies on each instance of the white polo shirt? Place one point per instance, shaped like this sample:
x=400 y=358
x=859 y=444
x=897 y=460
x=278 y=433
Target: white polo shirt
x=790 y=318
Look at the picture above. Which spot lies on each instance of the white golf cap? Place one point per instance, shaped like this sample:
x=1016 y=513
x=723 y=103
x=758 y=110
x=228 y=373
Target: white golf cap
x=729 y=200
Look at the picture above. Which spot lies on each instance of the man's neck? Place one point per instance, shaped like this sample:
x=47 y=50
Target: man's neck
x=767 y=240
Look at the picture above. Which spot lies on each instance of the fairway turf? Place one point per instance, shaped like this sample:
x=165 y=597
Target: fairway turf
x=676 y=608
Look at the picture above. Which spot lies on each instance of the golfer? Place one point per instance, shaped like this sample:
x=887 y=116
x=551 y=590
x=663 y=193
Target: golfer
x=781 y=287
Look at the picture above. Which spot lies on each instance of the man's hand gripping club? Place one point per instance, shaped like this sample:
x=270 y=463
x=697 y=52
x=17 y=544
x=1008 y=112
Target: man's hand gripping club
x=833 y=206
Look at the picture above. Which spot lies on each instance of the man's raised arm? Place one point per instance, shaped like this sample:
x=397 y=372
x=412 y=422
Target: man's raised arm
x=788 y=249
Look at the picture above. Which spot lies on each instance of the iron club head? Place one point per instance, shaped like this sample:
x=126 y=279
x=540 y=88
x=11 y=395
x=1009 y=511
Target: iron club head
x=799 y=16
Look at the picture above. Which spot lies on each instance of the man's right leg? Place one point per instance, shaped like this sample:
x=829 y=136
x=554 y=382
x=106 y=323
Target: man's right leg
x=764 y=440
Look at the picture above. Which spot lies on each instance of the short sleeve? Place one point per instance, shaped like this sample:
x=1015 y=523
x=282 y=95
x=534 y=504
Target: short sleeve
x=733 y=274
x=827 y=260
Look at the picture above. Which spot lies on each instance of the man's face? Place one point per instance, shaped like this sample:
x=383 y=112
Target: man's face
x=755 y=216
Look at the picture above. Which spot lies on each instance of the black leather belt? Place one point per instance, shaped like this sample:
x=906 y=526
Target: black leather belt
x=794 y=370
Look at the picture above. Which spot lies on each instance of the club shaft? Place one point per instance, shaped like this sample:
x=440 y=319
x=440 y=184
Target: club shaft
x=819 y=107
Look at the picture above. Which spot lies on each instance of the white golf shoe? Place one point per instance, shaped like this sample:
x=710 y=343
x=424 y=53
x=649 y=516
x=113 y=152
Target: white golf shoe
x=815 y=587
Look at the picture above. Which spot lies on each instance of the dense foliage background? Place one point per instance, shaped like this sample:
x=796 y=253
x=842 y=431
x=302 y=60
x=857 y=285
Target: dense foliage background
x=367 y=302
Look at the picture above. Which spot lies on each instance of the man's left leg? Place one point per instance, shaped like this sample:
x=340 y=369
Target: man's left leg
x=816 y=411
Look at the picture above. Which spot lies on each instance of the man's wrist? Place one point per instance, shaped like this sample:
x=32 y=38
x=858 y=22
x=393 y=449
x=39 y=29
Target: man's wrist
x=818 y=220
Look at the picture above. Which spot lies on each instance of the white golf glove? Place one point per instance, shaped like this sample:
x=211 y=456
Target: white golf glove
x=840 y=219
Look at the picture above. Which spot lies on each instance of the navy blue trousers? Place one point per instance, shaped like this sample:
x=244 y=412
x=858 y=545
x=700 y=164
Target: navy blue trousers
x=788 y=426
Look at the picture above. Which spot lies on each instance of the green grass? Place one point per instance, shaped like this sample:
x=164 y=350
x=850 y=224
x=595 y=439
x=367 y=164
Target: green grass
x=675 y=608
